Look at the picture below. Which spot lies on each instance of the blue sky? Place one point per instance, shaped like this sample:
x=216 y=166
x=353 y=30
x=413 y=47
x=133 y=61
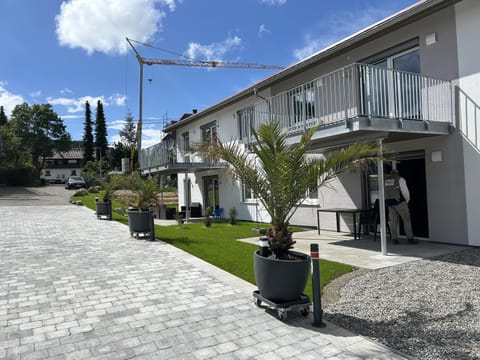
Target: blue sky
x=68 y=52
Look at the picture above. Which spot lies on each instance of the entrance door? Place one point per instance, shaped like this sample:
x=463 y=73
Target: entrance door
x=413 y=170
x=411 y=166
x=210 y=192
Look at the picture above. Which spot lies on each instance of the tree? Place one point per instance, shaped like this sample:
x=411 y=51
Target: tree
x=12 y=152
x=281 y=175
x=41 y=131
x=3 y=117
x=128 y=137
x=118 y=152
x=101 y=132
x=88 y=144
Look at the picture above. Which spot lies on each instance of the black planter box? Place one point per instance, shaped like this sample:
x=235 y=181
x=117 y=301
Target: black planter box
x=104 y=210
x=141 y=224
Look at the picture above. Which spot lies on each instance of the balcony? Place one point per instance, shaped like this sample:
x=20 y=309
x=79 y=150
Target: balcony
x=358 y=98
x=162 y=158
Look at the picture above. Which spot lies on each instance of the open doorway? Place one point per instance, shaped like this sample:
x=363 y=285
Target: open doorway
x=413 y=170
x=411 y=165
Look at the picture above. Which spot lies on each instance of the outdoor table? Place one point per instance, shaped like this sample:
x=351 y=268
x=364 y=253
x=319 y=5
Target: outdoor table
x=339 y=211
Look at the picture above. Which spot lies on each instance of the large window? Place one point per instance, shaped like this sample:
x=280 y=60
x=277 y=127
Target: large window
x=209 y=131
x=394 y=87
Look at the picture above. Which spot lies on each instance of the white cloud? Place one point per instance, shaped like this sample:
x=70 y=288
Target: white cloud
x=263 y=30
x=66 y=91
x=150 y=136
x=274 y=2
x=36 y=94
x=9 y=100
x=75 y=105
x=337 y=27
x=103 y=25
x=214 y=51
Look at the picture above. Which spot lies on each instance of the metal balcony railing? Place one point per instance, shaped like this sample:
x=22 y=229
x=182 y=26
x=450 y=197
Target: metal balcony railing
x=158 y=155
x=468 y=117
x=358 y=90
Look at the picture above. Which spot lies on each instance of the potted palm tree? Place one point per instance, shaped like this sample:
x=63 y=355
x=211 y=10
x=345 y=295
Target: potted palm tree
x=104 y=207
x=140 y=214
x=281 y=176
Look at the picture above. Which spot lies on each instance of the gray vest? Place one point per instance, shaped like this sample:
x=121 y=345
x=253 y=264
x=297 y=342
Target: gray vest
x=392 y=188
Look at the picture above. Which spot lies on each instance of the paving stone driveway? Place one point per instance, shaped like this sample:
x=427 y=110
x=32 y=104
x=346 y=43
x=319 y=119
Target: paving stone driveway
x=73 y=287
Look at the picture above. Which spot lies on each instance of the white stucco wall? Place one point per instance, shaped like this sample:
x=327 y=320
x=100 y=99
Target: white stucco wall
x=467 y=15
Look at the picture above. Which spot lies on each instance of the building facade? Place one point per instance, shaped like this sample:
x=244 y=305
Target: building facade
x=410 y=81
x=61 y=165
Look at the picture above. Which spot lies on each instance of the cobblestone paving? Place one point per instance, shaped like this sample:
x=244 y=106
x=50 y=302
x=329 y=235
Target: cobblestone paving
x=74 y=287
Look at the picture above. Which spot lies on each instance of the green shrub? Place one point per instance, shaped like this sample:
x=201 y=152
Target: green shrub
x=19 y=176
x=232 y=215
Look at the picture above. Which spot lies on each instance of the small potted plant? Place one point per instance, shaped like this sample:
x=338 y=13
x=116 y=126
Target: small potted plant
x=208 y=216
x=104 y=207
x=232 y=214
x=140 y=215
x=179 y=218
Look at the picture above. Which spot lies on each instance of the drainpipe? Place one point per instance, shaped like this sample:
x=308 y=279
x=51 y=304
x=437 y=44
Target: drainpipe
x=381 y=194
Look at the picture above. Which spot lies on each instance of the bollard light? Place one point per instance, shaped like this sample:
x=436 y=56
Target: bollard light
x=264 y=248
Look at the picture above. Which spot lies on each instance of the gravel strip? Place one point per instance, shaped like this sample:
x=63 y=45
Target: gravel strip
x=429 y=309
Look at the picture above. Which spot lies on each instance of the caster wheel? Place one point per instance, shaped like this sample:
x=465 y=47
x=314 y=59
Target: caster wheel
x=304 y=312
x=282 y=315
x=258 y=302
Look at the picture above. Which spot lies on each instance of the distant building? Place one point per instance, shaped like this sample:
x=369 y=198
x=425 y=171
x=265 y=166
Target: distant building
x=61 y=165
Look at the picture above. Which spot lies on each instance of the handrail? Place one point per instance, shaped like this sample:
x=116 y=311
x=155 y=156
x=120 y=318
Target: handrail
x=468 y=117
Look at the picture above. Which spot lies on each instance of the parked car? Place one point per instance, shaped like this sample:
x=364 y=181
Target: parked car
x=75 y=182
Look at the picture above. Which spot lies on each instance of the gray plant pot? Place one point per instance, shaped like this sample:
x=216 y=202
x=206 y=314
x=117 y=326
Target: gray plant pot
x=141 y=224
x=104 y=210
x=281 y=281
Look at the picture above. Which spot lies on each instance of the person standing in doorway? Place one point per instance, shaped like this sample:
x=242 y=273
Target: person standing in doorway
x=397 y=197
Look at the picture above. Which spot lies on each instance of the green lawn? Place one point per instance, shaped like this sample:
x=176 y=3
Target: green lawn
x=218 y=246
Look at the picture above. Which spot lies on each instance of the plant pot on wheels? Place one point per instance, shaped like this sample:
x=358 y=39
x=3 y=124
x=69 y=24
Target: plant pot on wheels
x=104 y=210
x=141 y=224
x=281 y=281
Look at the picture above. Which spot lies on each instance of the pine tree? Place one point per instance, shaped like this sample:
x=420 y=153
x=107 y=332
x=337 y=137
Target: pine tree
x=128 y=138
x=3 y=117
x=87 y=141
x=101 y=131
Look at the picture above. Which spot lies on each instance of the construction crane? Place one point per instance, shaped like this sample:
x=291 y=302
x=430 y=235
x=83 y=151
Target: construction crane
x=180 y=62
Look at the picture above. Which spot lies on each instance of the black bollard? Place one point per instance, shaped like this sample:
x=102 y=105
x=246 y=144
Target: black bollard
x=152 y=226
x=317 y=298
x=264 y=248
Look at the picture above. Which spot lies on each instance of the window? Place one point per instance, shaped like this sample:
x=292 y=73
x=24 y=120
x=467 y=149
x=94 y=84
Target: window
x=247 y=193
x=47 y=173
x=302 y=103
x=186 y=142
x=313 y=192
x=397 y=93
x=245 y=123
x=209 y=131
x=74 y=172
